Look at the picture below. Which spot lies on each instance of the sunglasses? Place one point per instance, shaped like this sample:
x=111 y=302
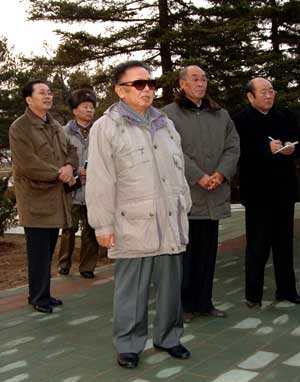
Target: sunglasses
x=141 y=84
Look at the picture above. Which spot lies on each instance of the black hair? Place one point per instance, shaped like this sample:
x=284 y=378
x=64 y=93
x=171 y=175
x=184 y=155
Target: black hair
x=28 y=88
x=122 y=68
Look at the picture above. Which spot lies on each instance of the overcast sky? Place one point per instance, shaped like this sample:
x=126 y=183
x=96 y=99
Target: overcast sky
x=26 y=36
x=29 y=36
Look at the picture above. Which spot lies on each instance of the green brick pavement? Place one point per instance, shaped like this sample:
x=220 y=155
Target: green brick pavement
x=74 y=343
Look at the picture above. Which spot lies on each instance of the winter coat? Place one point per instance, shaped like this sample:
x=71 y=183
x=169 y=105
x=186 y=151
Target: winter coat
x=210 y=143
x=39 y=149
x=76 y=139
x=136 y=187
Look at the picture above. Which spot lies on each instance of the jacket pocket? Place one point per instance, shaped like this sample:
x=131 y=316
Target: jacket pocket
x=42 y=198
x=134 y=157
x=37 y=185
x=136 y=228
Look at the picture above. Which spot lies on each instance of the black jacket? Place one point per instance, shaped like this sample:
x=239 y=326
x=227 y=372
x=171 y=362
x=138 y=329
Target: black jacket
x=266 y=178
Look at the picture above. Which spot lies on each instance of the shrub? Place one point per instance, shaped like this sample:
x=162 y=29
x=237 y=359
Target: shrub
x=8 y=211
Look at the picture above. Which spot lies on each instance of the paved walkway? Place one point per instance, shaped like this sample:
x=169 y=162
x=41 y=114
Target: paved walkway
x=74 y=343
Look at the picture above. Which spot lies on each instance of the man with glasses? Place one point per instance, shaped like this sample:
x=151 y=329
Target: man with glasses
x=138 y=199
x=211 y=147
x=269 y=142
x=43 y=160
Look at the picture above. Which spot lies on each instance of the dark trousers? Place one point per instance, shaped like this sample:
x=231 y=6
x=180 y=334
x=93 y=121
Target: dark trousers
x=40 y=247
x=89 y=246
x=199 y=266
x=269 y=228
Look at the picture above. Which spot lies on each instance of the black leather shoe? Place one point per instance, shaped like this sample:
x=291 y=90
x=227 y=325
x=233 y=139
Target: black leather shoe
x=178 y=351
x=63 y=271
x=188 y=317
x=43 y=309
x=52 y=302
x=89 y=275
x=128 y=360
x=252 y=304
x=294 y=299
x=55 y=301
x=213 y=313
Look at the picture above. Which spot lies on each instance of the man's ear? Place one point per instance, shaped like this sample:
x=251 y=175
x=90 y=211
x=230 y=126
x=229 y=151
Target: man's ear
x=119 y=91
x=181 y=84
x=28 y=100
x=250 y=97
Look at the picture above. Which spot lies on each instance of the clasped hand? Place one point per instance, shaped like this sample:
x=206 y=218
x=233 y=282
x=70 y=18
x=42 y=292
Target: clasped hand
x=211 y=182
x=65 y=175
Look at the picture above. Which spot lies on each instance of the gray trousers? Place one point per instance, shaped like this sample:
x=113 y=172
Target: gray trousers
x=131 y=294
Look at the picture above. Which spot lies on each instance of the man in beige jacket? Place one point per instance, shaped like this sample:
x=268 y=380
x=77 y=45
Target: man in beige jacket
x=138 y=199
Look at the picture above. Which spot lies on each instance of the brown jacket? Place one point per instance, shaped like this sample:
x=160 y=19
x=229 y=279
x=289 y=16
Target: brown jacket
x=39 y=149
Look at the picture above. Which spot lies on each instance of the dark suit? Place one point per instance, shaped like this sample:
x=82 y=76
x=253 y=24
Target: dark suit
x=268 y=192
